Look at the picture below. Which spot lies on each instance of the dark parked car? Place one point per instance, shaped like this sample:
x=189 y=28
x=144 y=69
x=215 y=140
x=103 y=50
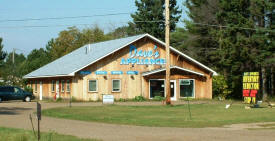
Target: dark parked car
x=14 y=93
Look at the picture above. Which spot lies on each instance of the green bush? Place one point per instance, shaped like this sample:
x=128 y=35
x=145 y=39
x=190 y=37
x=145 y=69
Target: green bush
x=122 y=100
x=220 y=87
x=73 y=99
x=139 y=98
x=158 y=98
x=28 y=89
x=188 y=99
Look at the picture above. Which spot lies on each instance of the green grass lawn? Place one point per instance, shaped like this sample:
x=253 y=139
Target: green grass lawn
x=11 y=134
x=203 y=115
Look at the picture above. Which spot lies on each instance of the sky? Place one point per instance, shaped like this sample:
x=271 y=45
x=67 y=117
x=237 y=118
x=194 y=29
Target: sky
x=24 y=36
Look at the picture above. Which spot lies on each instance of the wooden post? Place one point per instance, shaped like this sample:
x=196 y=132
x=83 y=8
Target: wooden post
x=167 y=50
x=38 y=126
x=264 y=81
x=38 y=112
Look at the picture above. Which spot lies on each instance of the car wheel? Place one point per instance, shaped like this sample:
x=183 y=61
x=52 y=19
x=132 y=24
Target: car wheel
x=27 y=99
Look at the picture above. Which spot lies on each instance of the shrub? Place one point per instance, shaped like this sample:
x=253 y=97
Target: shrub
x=28 y=89
x=73 y=99
x=122 y=100
x=59 y=99
x=158 y=98
x=139 y=98
x=188 y=99
x=220 y=87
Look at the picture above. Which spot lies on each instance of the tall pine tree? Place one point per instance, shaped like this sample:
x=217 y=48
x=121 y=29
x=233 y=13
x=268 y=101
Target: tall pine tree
x=149 y=17
x=200 y=40
x=233 y=36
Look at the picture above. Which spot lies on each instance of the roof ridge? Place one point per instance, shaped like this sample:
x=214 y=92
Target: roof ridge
x=113 y=39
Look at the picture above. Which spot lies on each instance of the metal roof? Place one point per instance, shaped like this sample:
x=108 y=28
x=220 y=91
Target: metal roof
x=69 y=64
x=78 y=59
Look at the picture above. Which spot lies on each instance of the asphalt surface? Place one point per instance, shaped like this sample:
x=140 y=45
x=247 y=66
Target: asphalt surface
x=15 y=114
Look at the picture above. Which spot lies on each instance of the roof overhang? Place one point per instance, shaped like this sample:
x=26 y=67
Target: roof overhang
x=172 y=67
x=183 y=55
x=47 y=76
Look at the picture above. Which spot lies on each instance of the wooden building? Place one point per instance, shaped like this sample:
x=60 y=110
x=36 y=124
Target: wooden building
x=127 y=67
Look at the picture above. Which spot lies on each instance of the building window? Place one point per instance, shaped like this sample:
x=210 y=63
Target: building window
x=68 y=88
x=157 y=88
x=62 y=85
x=92 y=85
x=53 y=83
x=115 y=85
x=30 y=86
x=187 y=88
x=35 y=86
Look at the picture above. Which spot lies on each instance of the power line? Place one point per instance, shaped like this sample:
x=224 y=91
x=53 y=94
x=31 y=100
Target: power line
x=157 y=21
x=224 y=26
x=61 y=25
x=60 y=18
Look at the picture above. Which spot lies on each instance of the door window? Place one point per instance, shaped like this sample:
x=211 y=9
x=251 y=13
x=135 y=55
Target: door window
x=172 y=89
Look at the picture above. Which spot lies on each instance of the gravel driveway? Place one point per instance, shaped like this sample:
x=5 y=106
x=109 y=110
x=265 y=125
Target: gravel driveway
x=16 y=114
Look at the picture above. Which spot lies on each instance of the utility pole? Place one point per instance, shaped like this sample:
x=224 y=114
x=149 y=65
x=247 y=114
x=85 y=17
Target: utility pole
x=167 y=50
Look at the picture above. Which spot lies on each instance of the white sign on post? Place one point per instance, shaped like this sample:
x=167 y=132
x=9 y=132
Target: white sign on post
x=108 y=99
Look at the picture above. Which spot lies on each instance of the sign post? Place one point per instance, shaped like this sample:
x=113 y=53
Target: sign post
x=38 y=111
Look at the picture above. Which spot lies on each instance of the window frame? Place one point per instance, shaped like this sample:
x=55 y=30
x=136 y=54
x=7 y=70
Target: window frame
x=62 y=86
x=68 y=84
x=53 y=86
x=96 y=85
x=194 y=88
x=113 y=86
x=35 y=86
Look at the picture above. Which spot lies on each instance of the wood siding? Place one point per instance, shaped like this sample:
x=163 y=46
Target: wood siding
x=131 y=85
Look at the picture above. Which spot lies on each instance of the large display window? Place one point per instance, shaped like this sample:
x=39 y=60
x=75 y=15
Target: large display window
x=187 y=88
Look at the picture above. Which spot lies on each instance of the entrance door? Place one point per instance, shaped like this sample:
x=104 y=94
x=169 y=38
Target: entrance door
x=57 y=89
x=41 y=91
x=157 y=88
x=173 y=90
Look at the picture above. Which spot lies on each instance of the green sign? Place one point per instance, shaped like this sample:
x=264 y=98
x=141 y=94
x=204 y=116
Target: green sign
x=184 y=82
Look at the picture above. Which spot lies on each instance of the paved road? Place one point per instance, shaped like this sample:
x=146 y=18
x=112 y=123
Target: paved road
x=16 y=115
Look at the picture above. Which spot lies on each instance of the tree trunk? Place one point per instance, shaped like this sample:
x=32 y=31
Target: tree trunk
x=264 y=84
